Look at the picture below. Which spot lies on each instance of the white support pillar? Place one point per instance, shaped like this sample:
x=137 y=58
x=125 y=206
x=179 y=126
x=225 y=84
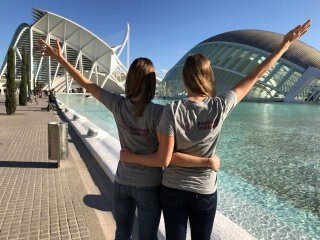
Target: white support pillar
x=49 y=58
x=4 y=68
x=105 y=80
x=58 y=65
x=91 y=70
x=65 y=55
x=55 y=73
x=128 y=48
x=96 y=73
x=66 y=74
x=76 y=64
x=32 y=83
x=49 y=71
x=38 y=71
x=15 y=63
x=81 y=64
x=18 y=52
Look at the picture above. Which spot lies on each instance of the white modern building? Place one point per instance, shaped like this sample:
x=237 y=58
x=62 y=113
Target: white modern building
x=87 y=52
x=294 y=78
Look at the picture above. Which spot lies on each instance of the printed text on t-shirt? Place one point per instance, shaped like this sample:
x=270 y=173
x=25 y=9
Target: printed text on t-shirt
x=207 y=125
x=138 y=131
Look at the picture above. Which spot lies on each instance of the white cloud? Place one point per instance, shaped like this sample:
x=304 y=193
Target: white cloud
x=164 y=70
x=161 y=72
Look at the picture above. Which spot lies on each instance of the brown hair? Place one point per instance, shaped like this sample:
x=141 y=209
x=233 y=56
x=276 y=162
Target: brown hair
x=141 y=83
x=198 y=75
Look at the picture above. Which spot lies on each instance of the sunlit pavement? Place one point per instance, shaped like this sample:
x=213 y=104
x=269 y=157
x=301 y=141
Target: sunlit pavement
x=37 y=200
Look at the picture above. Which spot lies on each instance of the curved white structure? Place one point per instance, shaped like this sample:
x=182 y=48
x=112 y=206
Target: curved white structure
x=86 y=51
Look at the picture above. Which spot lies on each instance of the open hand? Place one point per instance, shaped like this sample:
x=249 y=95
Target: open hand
x=296 y=33
x=47 y=50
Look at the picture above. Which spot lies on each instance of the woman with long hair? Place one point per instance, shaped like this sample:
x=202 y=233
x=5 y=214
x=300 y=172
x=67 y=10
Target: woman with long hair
x=192 y=126
x=136 y=117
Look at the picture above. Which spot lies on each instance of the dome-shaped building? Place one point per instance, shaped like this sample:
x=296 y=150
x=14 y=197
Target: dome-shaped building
x=233 y=55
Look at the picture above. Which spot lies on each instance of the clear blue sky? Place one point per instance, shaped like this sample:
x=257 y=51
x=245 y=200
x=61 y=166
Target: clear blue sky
x=164 y=30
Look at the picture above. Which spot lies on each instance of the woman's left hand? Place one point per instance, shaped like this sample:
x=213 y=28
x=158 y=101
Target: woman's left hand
x=214 y=163
x=125 y=155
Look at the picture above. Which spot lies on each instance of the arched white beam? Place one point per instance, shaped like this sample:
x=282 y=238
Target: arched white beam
x=125 y=43
x=14 y=44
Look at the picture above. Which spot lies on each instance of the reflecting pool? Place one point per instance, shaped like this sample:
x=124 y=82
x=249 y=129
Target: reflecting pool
x=270 y=178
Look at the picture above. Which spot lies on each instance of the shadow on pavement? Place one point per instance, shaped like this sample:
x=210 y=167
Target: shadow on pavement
x=17 y=164
x=105 y=201
x=97 y=202
x=97 y=174
x=15 y=114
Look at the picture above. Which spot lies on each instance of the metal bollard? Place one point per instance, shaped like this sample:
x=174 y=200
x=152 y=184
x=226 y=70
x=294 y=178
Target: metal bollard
x=75 y=117
x=63 y=127
x=92 y=132
x=57 y=141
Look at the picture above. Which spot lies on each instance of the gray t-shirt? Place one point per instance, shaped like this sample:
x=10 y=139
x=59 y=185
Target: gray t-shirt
x=196 y=127
x=137 y=134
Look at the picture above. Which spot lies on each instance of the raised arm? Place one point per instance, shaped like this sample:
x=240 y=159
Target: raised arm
x=56 y=53
x=245 y=85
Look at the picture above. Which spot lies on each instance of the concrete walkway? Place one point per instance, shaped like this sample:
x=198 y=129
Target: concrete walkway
x=39 y=201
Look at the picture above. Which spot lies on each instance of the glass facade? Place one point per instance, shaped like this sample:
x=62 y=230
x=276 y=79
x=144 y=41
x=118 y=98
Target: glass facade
x=231 y=62
x=310 y=93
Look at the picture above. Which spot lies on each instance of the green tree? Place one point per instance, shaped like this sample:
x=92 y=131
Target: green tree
x=23 y=82
x=28 y=72
x=11 y=83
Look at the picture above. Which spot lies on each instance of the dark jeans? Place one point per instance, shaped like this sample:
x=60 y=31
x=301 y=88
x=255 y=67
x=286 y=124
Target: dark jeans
x=179 y=205
x=146 y=199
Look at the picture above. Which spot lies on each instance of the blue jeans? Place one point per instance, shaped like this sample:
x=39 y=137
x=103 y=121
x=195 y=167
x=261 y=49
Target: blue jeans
x=146 y=199
x=179 y=205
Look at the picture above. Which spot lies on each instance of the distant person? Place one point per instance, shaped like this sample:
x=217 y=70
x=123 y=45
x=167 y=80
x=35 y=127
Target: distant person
x=52 y=97
x=0 y=91
x=192 y=126
x=35 y=97
x=29 y=96
x=137 y=117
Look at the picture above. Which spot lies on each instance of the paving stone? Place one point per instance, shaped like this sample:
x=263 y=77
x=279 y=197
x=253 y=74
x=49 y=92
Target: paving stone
x=44 y=236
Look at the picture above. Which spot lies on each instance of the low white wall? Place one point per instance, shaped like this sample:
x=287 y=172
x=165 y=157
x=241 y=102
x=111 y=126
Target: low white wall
x=106 y=149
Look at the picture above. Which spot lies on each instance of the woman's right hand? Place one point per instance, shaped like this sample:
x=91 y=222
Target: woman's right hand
x=214 y=163
x=47 y=50
x=296 y=33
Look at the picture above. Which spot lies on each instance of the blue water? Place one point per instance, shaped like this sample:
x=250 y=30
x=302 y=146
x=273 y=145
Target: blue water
x=269 y=182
